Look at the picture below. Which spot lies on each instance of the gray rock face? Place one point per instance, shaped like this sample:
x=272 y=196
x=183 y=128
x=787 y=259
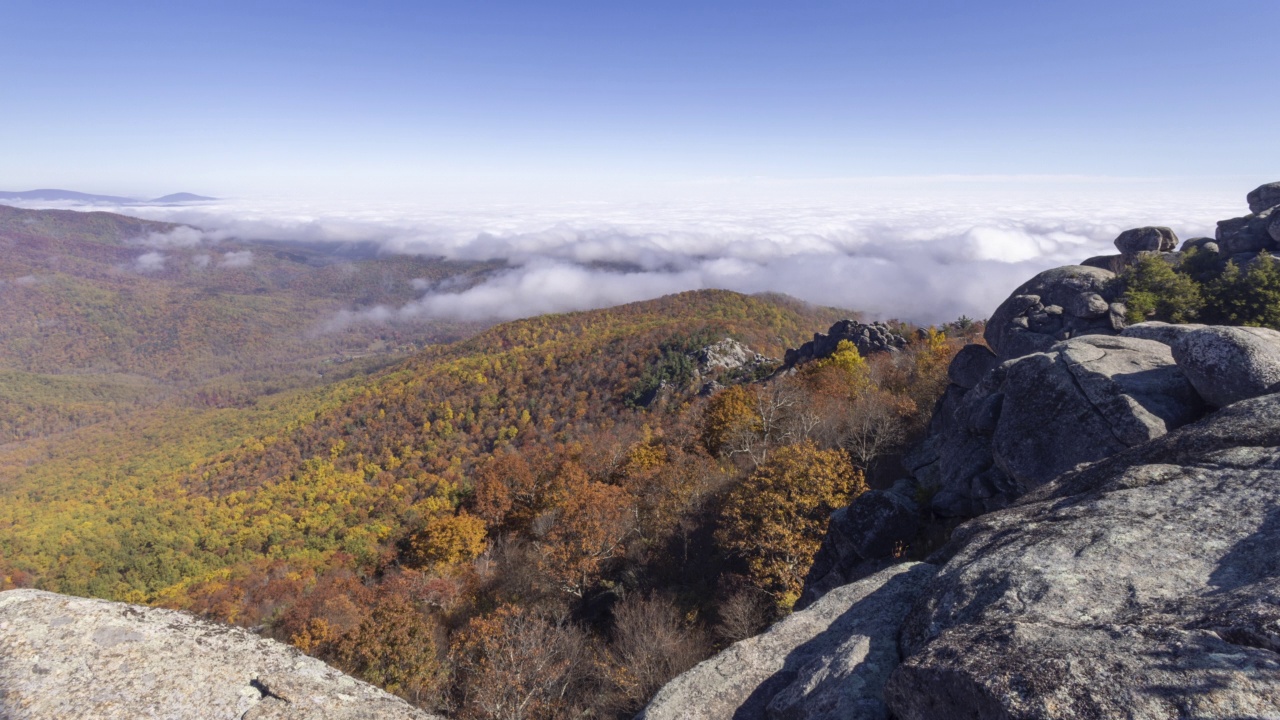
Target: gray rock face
x=1042 y=311
x=970 y=364
x=1146 y=585
x=1112 y=393
x=65 y=657
x=728 y=354
x=1264 y=197
x=1248 y=234
x=1035 y=417
x=827 y=662
x=1161 y=332
x=1229 y=364
x=1146 y=239
x=860 y=540
x=869 y=339
x=1202 y=243
x=1111 y=263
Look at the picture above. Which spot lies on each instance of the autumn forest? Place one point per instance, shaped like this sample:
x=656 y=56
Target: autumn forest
x=547 y=518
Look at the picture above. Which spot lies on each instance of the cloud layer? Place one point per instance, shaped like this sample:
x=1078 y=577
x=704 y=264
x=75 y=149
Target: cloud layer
x=926 y=257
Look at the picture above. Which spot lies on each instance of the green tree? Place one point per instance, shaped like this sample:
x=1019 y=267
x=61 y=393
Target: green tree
x=1248 y=297
x=1155 y=291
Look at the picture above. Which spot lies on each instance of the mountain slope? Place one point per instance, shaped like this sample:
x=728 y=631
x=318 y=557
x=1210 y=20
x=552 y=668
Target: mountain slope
x=101 y=301
x=527 y=382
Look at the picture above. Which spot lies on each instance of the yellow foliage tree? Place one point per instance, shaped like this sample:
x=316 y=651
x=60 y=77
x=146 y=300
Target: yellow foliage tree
x=847 y=358
x=446 y=541
x=731 y=412
x=774 y=521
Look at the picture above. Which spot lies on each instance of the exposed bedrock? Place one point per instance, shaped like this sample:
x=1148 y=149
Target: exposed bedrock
x=828 y=662
x=66 y=657
x=1229 y=364
x=1143 y=586
x=1034 y=417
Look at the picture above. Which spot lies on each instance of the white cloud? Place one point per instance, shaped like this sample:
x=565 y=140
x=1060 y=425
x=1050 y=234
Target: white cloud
x=237 y=259
x=149 y=262
x=179 y=237
x=201 y=261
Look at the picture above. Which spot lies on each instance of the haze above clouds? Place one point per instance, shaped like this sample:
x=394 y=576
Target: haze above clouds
x=925 y=252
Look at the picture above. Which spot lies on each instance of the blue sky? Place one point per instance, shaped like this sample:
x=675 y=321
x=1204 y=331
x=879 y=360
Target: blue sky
x=407 y=97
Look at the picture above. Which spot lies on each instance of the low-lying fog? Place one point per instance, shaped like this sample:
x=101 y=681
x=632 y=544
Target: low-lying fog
x=926 y=252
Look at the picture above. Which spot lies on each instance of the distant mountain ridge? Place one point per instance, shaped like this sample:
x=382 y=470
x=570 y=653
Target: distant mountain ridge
x=74 y=196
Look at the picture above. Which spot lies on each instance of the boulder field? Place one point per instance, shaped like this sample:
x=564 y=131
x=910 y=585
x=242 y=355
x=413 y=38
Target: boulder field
x=1117 y=494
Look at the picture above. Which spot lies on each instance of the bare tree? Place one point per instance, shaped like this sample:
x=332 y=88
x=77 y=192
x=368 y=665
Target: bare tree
x=518 y=664
x=743 y=615
x=652 y=643
x=874 y=427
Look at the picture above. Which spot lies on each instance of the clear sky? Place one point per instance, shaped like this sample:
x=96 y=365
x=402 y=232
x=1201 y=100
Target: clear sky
x=412 y=96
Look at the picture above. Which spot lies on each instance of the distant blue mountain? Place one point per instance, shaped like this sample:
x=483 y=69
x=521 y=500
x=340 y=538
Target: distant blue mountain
x=181 y=198
x=65 y=195
x=73 y=196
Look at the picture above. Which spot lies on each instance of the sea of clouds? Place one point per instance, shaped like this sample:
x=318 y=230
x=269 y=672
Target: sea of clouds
x=928 y=255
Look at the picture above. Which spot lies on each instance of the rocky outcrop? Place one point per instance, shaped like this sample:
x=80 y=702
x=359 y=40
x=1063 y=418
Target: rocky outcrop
x=1053 y=306
x=1146 y=239
x=862 y=539
x=1161 y=332
x=1203 y=243
x=65 y=657
x=728 y=354
x=1229 y=364
x=1122 y=561
x=1264 y=197
x=1143 y=586
x=1008 y=435
x=827 y=662
x=1243 y=237
x=1248 y=234
x=874 y=338
x=970 y=365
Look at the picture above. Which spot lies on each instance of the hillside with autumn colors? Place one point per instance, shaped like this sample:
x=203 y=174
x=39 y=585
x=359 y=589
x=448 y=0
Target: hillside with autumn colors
x=606 y=496
x=103 y=314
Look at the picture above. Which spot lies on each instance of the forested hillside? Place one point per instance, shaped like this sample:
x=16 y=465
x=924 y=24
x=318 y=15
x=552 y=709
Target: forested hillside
x=102 y=314
x=561 y=512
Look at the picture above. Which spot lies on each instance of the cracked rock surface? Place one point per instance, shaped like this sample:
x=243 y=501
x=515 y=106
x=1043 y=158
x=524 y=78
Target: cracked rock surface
x=1035 y=417
x=827 y=662
x=67 y=657
x=1146 y=585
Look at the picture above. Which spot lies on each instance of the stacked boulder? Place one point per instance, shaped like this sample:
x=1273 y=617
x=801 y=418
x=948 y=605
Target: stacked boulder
x=874 y=338
x=1005 y=436
x=1134 y=244
x=1055 y=305
x=1244 y=237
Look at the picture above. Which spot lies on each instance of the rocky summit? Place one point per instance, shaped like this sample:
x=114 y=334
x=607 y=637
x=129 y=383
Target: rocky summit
x=1112 y=497
x=63 y=657
x=877 y=337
